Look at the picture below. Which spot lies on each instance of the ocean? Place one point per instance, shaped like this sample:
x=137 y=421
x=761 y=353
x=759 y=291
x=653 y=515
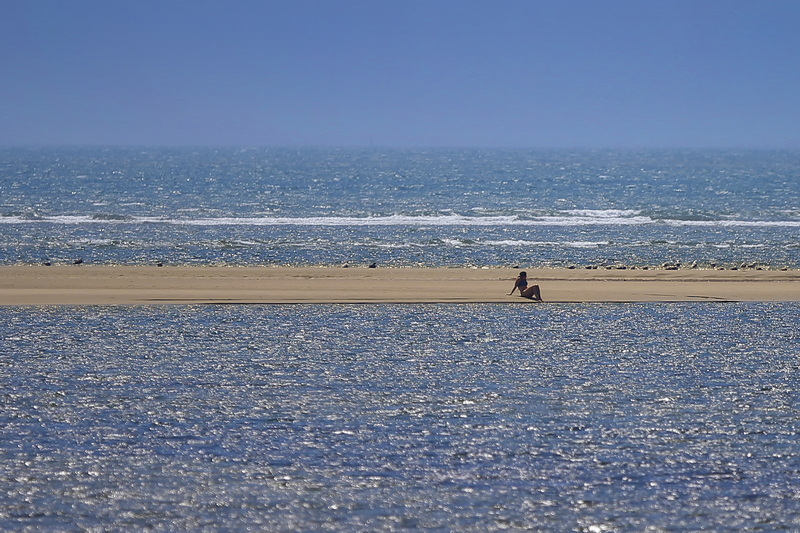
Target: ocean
x=400 y=207
x=436 y=417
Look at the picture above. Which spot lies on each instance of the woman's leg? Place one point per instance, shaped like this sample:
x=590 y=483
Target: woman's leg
x=536 y=292
x=533 y=292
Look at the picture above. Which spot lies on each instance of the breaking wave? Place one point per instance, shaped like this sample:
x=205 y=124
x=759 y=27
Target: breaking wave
x=578 y=217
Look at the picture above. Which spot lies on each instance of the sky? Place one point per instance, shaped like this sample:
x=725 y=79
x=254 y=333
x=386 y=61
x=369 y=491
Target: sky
x=401 y=73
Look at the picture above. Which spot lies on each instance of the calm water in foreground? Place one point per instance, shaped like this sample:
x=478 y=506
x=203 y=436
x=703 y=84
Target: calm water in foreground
x=597 y=417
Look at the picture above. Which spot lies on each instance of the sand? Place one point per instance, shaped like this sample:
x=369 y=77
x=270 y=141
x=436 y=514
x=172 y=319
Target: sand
x=134 y=285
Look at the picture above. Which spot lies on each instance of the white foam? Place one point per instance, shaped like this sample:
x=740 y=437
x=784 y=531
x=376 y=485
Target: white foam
x=736 y=223
x=391 y=220
x=603 y=213
x=568 y=244
x=576 y=217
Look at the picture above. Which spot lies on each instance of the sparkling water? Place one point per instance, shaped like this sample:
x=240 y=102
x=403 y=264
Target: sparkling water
x=596 y=417
x=556 y=417
x=401 y=208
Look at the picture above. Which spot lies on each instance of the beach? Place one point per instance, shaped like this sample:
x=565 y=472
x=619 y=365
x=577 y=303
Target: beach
x=136 y=285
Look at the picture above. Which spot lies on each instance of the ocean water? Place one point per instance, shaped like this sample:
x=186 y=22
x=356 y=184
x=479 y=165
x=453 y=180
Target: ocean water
x=399 y=207
x=484 y=417
x=473 y=417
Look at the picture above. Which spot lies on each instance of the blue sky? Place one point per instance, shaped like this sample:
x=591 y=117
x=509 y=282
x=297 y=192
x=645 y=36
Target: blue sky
x=406 y=73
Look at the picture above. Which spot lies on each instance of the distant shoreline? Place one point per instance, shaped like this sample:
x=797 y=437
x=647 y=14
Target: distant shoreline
x=149 y=285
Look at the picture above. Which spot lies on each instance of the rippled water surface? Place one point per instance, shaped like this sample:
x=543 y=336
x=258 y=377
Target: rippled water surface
x=399 y=207
x=481 y=417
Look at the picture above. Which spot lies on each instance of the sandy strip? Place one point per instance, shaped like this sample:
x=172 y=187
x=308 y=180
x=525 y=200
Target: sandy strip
x=102 y=285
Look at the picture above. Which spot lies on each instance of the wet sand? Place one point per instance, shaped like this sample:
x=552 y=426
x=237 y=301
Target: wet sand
x=134 y=285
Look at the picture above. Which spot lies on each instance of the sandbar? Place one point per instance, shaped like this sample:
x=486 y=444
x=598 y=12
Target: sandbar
x=147 y=285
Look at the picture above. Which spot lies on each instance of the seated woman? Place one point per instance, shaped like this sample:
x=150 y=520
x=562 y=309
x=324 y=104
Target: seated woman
x=521 y=283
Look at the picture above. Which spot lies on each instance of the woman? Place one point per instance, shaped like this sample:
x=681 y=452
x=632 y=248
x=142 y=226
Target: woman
x=526 y=292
